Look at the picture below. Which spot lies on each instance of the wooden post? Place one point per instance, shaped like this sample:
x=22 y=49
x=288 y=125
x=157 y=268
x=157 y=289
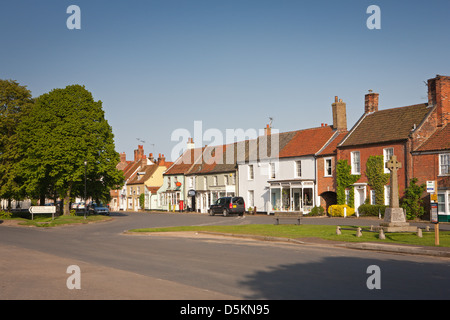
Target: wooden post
x=436 y=234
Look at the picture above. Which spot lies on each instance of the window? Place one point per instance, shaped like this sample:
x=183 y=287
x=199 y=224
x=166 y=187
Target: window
x=251 y=198
x=327 y=167
x=298 y=169
x=225 y=179
x=250 y=172
x=191 y=182
x=387 y=195
x=372 y=197
x=272 y=171
x=387 y=154
x=233 y=179
x=444 y=164
x=205 y=181
x=215 y=181
x=356 y=162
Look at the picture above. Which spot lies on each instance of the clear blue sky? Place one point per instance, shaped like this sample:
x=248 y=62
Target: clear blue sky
x=161 y=65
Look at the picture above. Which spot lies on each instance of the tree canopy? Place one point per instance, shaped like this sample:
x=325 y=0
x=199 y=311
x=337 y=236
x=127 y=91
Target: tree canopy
x=15 y=101
x=64 y=129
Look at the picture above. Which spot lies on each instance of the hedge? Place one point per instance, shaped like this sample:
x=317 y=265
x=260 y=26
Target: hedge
x=337 y=210
x=371 y=210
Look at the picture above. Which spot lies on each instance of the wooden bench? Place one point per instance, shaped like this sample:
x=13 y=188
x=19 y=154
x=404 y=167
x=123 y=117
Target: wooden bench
x=288 y=216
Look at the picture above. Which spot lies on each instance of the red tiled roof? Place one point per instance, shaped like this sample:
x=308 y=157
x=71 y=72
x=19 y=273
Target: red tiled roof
x=386 y=125
x=439 y=141
x=330 y=149
x=185 y=162
x=307 y=142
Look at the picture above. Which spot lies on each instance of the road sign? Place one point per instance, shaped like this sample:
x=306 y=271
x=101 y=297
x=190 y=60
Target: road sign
x=431 y=186
x=42 y=210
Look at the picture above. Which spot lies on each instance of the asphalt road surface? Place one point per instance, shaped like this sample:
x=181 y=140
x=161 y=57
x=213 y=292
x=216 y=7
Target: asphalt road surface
x=34 y=265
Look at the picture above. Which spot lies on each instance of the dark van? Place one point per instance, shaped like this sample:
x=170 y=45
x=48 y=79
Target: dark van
x=228 y=205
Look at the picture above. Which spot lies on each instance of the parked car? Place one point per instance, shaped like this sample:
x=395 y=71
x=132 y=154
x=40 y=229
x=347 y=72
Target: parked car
x=95 y=208
x=228 y=205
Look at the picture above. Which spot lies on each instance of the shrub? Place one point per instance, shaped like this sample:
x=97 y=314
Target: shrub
x=317 y=211
x=337 y=210
x=5 y=215
x=371 y=210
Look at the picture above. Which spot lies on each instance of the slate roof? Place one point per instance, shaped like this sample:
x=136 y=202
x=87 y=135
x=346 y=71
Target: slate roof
x=439 y=141
x=386 y=125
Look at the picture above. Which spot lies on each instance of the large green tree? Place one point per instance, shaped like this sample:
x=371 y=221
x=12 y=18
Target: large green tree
x=15 y=102
x=65 y=129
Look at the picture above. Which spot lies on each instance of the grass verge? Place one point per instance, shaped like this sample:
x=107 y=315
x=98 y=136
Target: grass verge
x=46 y=220
x=316 y=231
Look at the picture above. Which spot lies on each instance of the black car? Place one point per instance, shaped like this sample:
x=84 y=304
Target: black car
x=228 y=205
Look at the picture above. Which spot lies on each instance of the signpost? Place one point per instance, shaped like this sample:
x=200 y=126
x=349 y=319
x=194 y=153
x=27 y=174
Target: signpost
x=42 y=210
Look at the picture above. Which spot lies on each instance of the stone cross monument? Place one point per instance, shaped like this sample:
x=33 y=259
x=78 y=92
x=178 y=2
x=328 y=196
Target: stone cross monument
x=394 y=218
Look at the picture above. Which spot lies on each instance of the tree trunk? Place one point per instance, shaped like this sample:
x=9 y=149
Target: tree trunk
x=67 y=202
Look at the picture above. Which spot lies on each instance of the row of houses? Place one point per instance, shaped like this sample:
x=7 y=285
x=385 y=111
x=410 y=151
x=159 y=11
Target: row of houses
x=295 y=171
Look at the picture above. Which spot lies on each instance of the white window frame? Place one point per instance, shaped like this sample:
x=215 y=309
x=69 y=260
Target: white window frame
x=251 y=173
x=326 y=167
x=355 y=165
x=205 y=181
x=251 y=198
x=272 y=170
x=444 y=164
x=298 y=168
x=387 y=154
x=387 y=195
x=373 y=198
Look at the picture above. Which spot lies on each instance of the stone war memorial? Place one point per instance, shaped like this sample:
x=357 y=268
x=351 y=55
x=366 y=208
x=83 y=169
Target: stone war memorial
x=394 y=217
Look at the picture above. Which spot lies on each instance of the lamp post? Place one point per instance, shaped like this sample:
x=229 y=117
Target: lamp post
x=85 y=196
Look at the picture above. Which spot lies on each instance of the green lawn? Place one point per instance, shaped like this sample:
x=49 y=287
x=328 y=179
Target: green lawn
x=318 y=231
x=46 y=220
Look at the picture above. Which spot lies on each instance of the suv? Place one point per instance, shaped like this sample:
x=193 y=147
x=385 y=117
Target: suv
x=227 y=205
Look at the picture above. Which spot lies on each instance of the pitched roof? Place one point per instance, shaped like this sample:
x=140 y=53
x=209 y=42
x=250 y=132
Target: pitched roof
x=331 y=147
x=307 y=142
x=185 y=162
x=386 y=125
x=143 y=174
x=439 y=141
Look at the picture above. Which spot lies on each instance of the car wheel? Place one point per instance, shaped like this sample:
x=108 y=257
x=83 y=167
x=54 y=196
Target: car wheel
x=225 y=212
x=211 y=213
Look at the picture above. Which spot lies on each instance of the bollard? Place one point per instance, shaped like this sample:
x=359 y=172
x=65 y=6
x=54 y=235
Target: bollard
x=338 y=230
x=382 y=236
x=419 y=232
x=358 y=233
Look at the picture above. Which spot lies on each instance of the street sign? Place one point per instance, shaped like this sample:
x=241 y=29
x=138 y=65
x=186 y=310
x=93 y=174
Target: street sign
x=42 y=210
x=434 y=213
x=431 y=186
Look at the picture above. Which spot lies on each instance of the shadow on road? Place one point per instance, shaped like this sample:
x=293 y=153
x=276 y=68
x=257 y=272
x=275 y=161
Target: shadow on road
x=346 y=278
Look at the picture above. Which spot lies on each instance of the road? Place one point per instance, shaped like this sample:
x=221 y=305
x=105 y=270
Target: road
x=113 y=265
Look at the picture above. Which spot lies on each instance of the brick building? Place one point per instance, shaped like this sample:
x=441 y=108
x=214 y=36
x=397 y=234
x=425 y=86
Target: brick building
x=412 y=133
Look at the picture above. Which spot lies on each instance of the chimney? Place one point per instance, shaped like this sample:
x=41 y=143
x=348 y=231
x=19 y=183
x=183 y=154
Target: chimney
x=267 y=130
x=190 y=143
x=123 y=157
x=371 y=102
x=139 y=153
x=150 y=156
x=161 y=160
x=339 y=114
x=439 y=96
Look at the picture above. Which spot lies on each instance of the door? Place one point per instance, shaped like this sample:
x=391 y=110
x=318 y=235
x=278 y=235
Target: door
x=359 y=197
